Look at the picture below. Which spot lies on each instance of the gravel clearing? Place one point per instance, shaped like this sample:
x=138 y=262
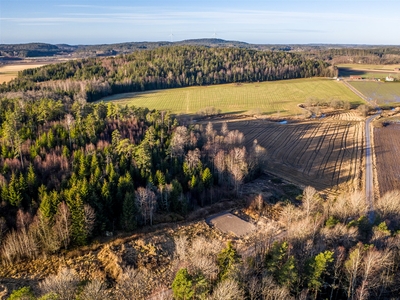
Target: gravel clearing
x=229 y=223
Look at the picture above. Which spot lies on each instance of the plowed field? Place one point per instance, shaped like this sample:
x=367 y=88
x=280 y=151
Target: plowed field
x=387 y=153
x=323 y=153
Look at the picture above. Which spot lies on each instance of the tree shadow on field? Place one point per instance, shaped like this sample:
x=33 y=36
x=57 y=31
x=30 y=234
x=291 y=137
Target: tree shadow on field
x=196 y=117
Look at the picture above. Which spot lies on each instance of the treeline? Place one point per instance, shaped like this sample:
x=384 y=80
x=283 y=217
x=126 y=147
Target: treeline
x=370 y=55
x=168 y=67
x=33 y=50
x=67 y=174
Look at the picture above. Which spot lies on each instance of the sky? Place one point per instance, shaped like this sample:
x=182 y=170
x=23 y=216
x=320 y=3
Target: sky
x=88 y=22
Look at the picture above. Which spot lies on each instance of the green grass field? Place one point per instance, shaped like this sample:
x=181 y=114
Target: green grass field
x=384 y=93
x=273 y=97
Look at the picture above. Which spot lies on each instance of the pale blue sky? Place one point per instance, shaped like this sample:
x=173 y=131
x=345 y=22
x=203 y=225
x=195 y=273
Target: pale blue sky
x=263 y=21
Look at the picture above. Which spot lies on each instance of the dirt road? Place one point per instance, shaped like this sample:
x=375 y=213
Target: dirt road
x=369 y=175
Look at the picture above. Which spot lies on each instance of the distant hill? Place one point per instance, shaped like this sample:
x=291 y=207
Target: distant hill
x=333 y=53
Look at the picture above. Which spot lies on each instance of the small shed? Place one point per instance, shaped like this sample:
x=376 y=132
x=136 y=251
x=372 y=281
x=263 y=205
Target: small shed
x=389 y=78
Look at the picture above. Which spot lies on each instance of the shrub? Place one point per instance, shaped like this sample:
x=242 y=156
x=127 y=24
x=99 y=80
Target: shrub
x=23 y=293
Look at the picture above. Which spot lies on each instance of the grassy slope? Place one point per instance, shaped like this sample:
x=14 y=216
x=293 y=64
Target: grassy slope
x=264 y=97
x=385 y=93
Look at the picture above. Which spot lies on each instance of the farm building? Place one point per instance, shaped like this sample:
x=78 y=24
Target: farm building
x=389 y=78
x=397 y=69
x=355 y=77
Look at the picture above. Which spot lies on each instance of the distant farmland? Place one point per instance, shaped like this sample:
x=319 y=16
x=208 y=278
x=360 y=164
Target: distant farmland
x=8 y=72
x=273 y=97
x=367 y=71
x=384 y=93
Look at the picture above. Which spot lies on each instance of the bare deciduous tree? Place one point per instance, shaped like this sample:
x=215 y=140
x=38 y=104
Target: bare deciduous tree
x=234 y=137
x=348 y=207
x=272 y=291
x=94 y=290
x=18 y=245
x=178 y=141
x=147 y=202
x=193 y=158
x=388 y=206
x=90 y=219
x=132 y=284
x=220 y=165
x=374 y=264
x=23 y=219
x=227 y=289
x=237 y=166
x=181 y=248
x=64 y=284
x=224 y=128
x=310 y=200
x=63 y=224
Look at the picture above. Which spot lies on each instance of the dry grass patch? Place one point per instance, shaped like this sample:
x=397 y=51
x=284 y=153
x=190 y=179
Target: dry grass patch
x=9 y=72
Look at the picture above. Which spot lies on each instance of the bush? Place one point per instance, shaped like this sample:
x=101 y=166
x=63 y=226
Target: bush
x=23 y=293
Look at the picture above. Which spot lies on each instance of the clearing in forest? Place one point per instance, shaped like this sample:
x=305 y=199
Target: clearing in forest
x=229 y=223
x=275 y=98
x=382 y=93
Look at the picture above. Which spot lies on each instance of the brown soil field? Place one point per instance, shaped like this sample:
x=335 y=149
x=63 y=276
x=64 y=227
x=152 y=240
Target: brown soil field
x=387 y=152
x=324 y=153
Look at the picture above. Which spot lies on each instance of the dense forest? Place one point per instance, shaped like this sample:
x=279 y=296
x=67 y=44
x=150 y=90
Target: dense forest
x=165 y=67
x=108 y=168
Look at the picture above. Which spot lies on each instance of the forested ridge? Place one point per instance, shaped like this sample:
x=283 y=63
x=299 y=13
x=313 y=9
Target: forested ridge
x=165 y=67
x=71 y=173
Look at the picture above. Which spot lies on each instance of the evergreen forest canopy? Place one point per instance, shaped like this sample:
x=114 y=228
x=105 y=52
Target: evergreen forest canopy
x=165 y=67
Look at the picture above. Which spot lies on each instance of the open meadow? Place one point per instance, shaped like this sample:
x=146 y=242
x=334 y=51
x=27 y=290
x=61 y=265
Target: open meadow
x=382 y=93
x=323 y=153
x=275 y=98
x=9 y=72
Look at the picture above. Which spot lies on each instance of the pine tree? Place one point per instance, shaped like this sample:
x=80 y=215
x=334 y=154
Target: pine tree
x=227 y=260
x=75 y=205
x=14 y=196
x=31 y=178
x=46 y=208
x=128 y=218
x=207 y=178
x=316 y=269
x=182 y=286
